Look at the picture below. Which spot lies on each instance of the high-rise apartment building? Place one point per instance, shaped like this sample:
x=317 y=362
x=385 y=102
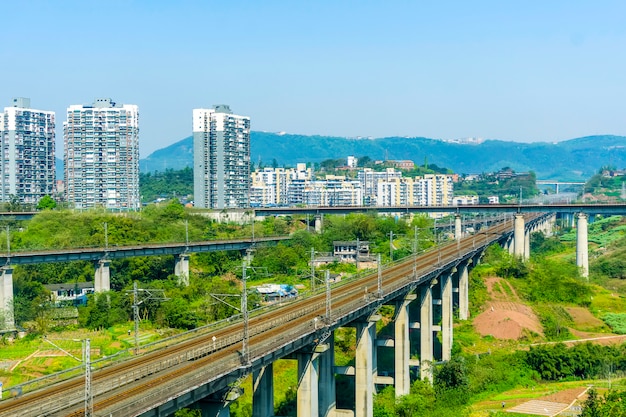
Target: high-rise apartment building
x=102 y=155
x=221 y=158
x=429 y=190
x=27 y=162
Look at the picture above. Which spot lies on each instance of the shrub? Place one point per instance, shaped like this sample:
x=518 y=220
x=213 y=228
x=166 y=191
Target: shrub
x=616 y=321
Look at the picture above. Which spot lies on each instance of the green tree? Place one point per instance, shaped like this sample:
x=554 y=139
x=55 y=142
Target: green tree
x=591 y=406
x=451 y=381
x=104 y=310
x=178 y=313
x=46 y=203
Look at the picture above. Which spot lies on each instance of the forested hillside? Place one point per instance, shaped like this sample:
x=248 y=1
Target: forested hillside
x=574 y=159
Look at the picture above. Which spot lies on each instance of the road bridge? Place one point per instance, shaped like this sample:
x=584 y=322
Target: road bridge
x=201 y=370
x=556 y=184
x=104 y=256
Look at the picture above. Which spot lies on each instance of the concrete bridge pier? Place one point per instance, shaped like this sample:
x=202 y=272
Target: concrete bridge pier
x=6 y=299
x=402 y=345
x=463 y=274
x=181 y=269
x=364 y=367
x=308 y=382
x=549 y=225
x=458 y=227
x=319 y=223
x=263 y=391
x=526 y=244
x=518 y=236
x=326 y=395
x=509 y=245
x=426 y=332
x=446 y=316
x=102 y=279
x=582 y=249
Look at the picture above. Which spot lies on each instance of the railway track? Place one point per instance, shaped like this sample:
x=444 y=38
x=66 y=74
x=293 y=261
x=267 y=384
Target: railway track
x=151 y=376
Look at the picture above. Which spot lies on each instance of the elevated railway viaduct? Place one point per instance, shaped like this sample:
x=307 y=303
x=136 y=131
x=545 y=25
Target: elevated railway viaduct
x=201 y=370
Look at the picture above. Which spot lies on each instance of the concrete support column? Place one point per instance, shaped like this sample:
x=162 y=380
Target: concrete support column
x=582 y=249
x=364 y=367
x=458 y=227
x=326 y=395
x=181 y=269
x=518 y=236
x=510 y=246
x=263 y=391
x=426 y=332
x=308 y=394
x=102 y=281
x=446 y=317
x=463 y=272
x=526 y=245
x=319 y=223
x=402 y=345
x=6 y=299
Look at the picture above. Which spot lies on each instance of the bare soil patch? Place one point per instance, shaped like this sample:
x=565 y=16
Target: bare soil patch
x=505 y=317
x=584 y=319
x=566 y=396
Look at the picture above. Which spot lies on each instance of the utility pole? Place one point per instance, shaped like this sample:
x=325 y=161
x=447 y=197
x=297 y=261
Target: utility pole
x=88 y=393
x=391 y=246
x=356 y=257
x=312 y=270
x=8 y=243
x=136 y=316
x=244 y=311
x=380 y=278
x=328 y=306
x=149 y=295
x=106 y=236
x=187 y=233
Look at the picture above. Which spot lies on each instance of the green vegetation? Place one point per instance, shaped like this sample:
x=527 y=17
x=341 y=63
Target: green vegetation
x=166 y=185
x=507 y=189
x=480 y=369
x=611 y=404
x=604 y=183
x=616 y=321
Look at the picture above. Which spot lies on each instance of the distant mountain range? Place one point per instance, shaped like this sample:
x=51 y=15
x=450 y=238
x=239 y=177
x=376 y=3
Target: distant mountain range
x=574 y=159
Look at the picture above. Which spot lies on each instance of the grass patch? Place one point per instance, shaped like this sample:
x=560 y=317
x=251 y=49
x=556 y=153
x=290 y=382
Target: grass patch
x=616 y=321
x=604 y=301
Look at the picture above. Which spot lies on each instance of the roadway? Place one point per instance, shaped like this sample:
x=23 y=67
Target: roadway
x=184 y=372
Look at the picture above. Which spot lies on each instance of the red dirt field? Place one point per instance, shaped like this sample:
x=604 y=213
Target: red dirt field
x=505 y=317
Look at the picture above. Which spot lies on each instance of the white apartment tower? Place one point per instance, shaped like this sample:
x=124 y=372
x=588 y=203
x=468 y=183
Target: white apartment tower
x=27 y=163
x=102 y=155
x=221 y=158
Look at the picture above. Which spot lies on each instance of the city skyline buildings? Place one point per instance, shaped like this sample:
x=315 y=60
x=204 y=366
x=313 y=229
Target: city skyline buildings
x=221 y=156
x=101 y=155
x=27 y=140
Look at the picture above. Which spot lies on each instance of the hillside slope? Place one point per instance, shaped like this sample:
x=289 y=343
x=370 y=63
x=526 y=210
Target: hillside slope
x=575 y=159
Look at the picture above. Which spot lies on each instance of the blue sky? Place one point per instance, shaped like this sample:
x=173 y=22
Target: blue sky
x=511 y=70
